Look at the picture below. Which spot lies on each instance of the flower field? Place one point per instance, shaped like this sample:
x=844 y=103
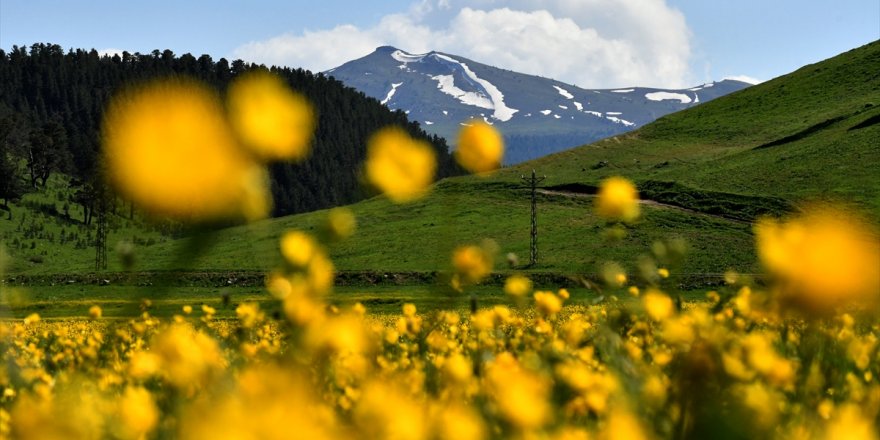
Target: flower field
x=627 y=369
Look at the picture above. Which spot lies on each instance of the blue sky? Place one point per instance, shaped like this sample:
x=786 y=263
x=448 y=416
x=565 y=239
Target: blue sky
x=590 y=43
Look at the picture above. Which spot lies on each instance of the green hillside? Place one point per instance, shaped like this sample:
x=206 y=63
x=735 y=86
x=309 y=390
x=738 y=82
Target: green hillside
x=809 y=135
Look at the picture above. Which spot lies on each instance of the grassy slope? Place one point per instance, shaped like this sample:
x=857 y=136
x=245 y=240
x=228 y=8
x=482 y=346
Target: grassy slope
x=422 y=235
x=32 y=236
x=712 y=146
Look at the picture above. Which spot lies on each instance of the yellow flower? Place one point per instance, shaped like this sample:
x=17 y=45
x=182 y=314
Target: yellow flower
x=517 y=286
x=850 y=423
x=278 y=286
x=658 y=305
x=298 y=248
x=521 y=397
x=169 y=149
x=472 y=263
x=249 y=314
x=95 y=312
x=613 y=274
x=458 y=368
x=823 y=258
x=341 y=223
x=384 y=412
x=547 y=303
x=187 y=356
x=138 y=413
x=623 y=425
x=398 y=165
x=480 y=147
x=460 y=423
x=269 y=118
x=617 y=199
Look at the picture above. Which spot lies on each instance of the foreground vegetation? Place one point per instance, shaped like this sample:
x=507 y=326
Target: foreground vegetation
x=726 y=367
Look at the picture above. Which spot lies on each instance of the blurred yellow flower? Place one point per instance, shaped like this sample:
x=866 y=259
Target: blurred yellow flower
x=613 y=274
x=480 y=147
x=517 y=285
x=617 y=199
x=458 y=368
x=547 y=303
x=521 y=397
x=623 y=425
x=658 y=305
x=341 y=223
x=385 y=412
x=138 y=413
x=398 y=165
x=472 y=263
x=824 y=258
x=298 y=248
x=188 y=356
x=95 y=312
x=850 y=423
x=169 y=149
x=460 y=423
x=271 y=120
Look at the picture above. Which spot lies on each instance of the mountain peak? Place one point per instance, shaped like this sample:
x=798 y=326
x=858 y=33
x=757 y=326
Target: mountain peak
x=386 y=49
x=536 y=115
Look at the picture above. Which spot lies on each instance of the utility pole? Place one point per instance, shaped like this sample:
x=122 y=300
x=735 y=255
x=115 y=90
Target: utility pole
x=533 y=251
x=101 y=233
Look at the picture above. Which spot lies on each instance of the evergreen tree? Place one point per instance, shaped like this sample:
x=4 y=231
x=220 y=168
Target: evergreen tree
x=62 y=96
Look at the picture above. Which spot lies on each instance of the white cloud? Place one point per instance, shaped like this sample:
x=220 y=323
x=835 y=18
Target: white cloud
x=591 y=43
x=745 y=79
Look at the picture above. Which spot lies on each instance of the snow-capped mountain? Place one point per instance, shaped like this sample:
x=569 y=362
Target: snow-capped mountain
x=536 y=115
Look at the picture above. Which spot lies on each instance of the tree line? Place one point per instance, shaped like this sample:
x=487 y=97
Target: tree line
x=51 y=104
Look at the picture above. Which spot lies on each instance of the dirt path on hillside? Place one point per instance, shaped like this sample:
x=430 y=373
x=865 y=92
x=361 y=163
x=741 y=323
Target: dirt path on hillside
x=580 y=195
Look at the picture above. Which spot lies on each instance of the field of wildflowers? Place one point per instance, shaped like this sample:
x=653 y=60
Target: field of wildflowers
x=796 y=356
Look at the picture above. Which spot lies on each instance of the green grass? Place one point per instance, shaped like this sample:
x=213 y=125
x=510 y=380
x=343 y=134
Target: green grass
x=41 y=237
x=422 y=236
x=120 y=302
x=823 y=117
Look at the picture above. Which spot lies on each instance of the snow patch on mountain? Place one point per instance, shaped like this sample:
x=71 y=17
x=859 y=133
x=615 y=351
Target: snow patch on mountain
x=578 y=106
x=661 y=96
x=619 y=121
x=404 y=57
x=502 y=111
x=546 y=112
x=446 y=84
x=624 y=90
x=394 y=87
x=565 y=93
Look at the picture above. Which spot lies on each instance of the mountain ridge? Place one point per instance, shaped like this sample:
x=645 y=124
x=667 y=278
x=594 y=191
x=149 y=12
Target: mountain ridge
x=536 y=115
